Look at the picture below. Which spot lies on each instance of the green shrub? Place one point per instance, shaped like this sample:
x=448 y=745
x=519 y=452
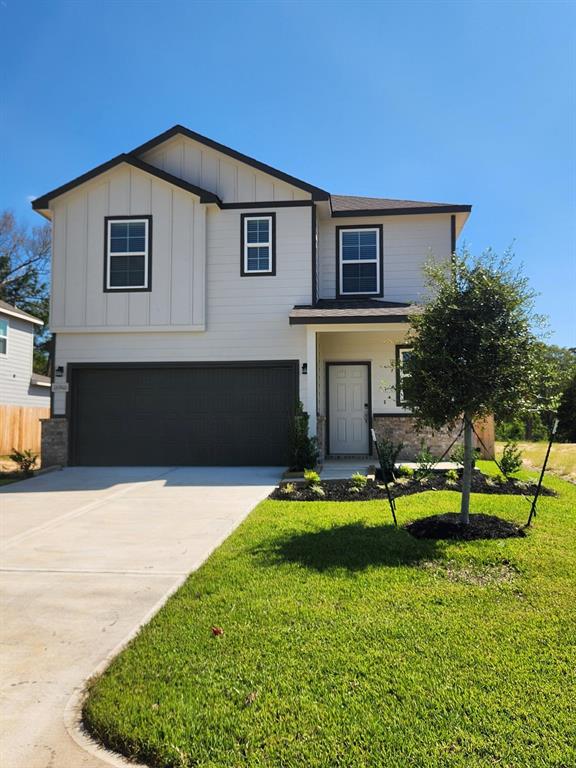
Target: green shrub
x=388 y=452
x=355 y=489
x=404 y=471
x=26 y=460
x=311 y=478
x=287 y=489
x=452 y=475
x=511 y=460
x=317 y=490
x=359 y=480
x=426 y=461
x=303 y=449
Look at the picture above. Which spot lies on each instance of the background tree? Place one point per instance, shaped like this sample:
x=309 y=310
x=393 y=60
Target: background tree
x=474 y=352
x=24 y=274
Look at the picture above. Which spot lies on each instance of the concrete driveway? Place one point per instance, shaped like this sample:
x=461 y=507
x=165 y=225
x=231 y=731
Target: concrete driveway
x=89 y=554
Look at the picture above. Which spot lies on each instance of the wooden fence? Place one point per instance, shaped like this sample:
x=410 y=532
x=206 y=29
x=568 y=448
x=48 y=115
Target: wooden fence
x=485 y=430
x=20 y=428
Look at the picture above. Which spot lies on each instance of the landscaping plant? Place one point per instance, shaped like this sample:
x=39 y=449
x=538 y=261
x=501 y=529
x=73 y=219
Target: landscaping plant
x=475 y=350
x=26 y=460
x=388 y=453
x=359 y=480
x=303 y=448
x=511 y=460
x=426 y=461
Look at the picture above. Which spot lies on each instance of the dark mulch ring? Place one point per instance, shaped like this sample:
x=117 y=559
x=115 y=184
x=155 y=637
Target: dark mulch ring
x=448 y=527
x=344 y=490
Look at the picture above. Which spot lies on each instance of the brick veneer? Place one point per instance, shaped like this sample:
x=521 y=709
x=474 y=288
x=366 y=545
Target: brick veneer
x=401 y=429
x=54 y=442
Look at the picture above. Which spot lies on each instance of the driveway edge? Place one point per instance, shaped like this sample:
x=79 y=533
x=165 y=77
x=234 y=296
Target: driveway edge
x=73 y=711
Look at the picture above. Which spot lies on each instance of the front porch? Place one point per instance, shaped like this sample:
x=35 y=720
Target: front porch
x=352 y=378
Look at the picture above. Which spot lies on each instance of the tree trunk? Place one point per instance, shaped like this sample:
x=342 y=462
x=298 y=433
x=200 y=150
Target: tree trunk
x=467 y=473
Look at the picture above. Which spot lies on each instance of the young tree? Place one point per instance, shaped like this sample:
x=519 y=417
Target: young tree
x=474 y=352
x=24 y=268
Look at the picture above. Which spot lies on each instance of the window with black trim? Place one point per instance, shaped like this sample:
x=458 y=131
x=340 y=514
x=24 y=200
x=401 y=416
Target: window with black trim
x=3 y=337
x=402 y=356
x=359 y=261
x=128 y=253
x=258 y=244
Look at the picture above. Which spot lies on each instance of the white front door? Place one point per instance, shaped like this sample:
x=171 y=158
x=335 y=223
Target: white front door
x=348 y=408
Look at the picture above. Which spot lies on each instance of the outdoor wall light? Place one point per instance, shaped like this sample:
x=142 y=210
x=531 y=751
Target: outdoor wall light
x=304 y=368
x=60 y=371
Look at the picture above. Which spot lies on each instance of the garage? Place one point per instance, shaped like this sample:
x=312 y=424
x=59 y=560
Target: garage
x=186 y=414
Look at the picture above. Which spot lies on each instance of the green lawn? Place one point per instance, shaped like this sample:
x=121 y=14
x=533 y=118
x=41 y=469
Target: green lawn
x=348 y=643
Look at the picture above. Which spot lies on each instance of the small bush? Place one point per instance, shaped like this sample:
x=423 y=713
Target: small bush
x=452 y=475
x=287 y=489
x=26 y=460
x=311 y=478
x=355 y=489
x=426 y=462
x=388 y=452
x=359 y=480
x=317 y=490
x=404 y=471
x=511 y=460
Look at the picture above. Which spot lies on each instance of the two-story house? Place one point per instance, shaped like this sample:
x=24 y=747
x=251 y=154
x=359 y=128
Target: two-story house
x=198 y=293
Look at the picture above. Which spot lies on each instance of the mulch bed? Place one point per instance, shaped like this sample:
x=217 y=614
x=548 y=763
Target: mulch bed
x=342 y=490
x=448 y=527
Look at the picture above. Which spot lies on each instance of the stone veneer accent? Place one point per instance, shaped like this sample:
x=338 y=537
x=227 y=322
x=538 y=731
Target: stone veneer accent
x=401 y=429
x=54 y=442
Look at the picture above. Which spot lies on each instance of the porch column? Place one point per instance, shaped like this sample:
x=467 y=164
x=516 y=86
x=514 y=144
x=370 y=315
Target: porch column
x=312 y=406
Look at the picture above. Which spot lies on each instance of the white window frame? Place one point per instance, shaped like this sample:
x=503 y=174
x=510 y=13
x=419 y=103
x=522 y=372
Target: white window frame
x=269 y=245
x=347 y=230
x=110 y=255
x=401 y=375
x=4 y=336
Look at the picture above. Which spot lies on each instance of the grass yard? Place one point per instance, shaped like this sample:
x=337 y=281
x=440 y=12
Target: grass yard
x=562 y=459
x=349 y=644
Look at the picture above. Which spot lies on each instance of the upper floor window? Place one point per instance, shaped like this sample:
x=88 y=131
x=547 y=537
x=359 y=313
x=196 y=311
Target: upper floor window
x=3 y=337
x=128 y=257
x=359 y=261
x=258 y=244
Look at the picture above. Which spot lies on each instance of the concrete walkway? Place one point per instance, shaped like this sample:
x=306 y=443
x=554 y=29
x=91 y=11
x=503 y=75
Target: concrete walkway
x=88 y=554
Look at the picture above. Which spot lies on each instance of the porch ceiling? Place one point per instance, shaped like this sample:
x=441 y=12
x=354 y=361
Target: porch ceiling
x=352 y=311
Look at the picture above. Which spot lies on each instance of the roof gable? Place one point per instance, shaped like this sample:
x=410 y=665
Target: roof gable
x=42 y=203
x=180 y=130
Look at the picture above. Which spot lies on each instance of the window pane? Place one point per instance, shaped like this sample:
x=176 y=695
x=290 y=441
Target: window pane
x=258 y=259
x=128 y=237
x=2 y=346
x=3 y=327
x=258 y=230
x=127 y=271
x=119 y=229
x=359 y=245
x=359 y=278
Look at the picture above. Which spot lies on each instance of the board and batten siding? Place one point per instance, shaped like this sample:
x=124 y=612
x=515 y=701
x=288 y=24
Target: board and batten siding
x=409 y=241
x=232 y=180
x=246 y=317
x=177 y=298
x=16 y=367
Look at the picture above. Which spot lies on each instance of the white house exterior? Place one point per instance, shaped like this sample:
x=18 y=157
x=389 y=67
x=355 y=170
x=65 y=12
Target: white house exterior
x=198 y=293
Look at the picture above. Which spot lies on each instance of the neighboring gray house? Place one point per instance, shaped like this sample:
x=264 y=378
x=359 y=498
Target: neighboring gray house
x=24 y=395
x=197 y=293
x=18 y=384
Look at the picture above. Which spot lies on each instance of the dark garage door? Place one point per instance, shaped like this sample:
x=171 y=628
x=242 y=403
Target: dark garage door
x=220 y=414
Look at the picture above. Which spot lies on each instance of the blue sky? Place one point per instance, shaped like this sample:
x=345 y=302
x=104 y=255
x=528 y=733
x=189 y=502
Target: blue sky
x=459 y=102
